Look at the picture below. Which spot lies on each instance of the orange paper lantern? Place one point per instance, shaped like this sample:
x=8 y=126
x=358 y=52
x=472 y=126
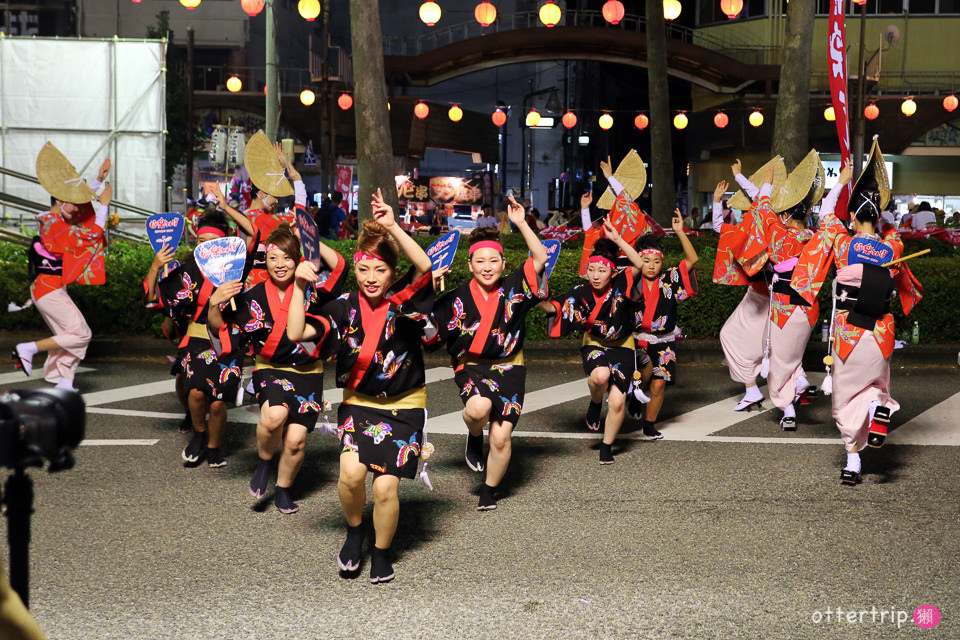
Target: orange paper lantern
x=569 y=119
x=613 y=11
x=485 y=13
x=499 y=117
x=641 y=121
x=421 y=110
x=871 y=111
x=721 y=120
x=950 y=102
x=345 y=101
x=731 y=8
x=251 y=7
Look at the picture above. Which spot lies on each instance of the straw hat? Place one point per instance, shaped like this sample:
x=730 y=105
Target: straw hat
x=740 y=200
x=873 y=178
x=263 y=166
x=800 y=184
x=60 y=179
x=631 y=174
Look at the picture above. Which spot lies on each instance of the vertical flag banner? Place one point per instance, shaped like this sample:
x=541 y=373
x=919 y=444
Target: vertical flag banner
x=344 y=180
x=837 y=52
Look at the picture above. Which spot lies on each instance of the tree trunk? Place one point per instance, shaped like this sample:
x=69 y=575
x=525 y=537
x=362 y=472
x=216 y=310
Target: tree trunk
x=663 y=199
x=374 y=145
x=791 y=128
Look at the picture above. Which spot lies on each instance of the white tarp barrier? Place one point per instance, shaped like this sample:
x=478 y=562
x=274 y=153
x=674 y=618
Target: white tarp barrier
x=92 y=99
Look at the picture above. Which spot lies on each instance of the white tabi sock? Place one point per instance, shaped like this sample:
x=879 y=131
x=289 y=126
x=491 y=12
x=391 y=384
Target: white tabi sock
x=27 y=350
x=873 y=409
x=753 y=394
x=853 y=462
x=802 y=384
x=789 y=411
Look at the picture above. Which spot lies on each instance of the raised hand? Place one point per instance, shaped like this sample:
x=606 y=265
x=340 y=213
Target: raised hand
x=163 y=256
x=677 y=222
x=212 y=188
x=438 y=275
x=586 y=200
x=515 y=211
x=382 y=212
x=847 y=174
x=768 y=173
x=736 y=167
x=104 y=170
x=306 y=273
x=226 y=291
x=606 y=169
x=719 y=191
x=609 y=231
x=281 y=156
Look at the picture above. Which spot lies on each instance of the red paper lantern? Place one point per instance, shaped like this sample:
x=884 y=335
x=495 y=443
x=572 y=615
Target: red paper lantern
x=950 y=102
x=421 y=110
x=250 y=7
x=345 y=101
x=721 y=120
x=569 y=120
x=871 y=111
x=731 y=8
x=641 y=121
x=613 y=11
x=485 y=13
x=499 y=117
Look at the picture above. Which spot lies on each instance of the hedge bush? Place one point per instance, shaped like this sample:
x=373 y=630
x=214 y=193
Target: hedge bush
x=115 y=308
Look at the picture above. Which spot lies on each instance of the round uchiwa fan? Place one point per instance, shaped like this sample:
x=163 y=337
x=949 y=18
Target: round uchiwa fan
x=264 y=168
x=741 y=201
x=631 y=174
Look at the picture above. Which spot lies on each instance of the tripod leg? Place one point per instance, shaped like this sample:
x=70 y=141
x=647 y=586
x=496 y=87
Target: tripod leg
x=18 y=498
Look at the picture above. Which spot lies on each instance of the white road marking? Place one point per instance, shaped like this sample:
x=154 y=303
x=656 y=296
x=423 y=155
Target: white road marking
x=120 y=443
x=17 y=377
x=134 y=413
x=129 y=393
x=936 y=425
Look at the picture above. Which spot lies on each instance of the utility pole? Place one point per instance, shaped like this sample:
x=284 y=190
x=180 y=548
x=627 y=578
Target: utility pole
x=190 y=141
x=858 y=112
x=273 y=79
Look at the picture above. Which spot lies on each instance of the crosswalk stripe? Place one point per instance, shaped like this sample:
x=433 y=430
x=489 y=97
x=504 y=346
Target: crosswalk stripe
x=17 y=377
x=119 y=443
x=134 y=413
x=936 y=425
x=129 y=393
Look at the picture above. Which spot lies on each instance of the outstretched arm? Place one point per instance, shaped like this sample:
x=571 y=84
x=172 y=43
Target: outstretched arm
x=383 y=215
x=689 y=253
x=585 y=201
x=242 y=221
x=748 y=187
x=611 y=233
x=300 y=190
x=607 y=170
x=537 y=251
x=717 y=220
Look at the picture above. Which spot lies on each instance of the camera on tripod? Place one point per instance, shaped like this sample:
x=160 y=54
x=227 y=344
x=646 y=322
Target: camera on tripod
x=35 y=425
x=38 y=425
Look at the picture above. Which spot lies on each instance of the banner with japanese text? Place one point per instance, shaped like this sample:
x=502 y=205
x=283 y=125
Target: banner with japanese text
x=837 y=52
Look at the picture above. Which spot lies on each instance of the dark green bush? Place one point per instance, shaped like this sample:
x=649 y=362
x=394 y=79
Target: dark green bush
x=115 y=308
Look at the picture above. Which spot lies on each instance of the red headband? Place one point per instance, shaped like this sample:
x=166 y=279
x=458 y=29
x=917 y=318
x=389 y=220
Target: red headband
x=212 y=230
x=360 y=255
x=486 y=244
x=649 y=252
x=604 y=261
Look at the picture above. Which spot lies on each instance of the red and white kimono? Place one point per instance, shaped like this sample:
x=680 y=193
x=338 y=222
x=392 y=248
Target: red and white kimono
x=863 y=328
x=66 y=253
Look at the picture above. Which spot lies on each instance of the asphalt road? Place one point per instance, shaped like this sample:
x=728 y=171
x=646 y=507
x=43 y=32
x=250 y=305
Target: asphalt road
x=728 y=528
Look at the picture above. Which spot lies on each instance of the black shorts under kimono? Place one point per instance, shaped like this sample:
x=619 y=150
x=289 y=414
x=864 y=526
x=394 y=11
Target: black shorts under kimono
x=388 y=441
x=664 y=360
x=620 y=361
x=503 y=384
x=300 y=393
